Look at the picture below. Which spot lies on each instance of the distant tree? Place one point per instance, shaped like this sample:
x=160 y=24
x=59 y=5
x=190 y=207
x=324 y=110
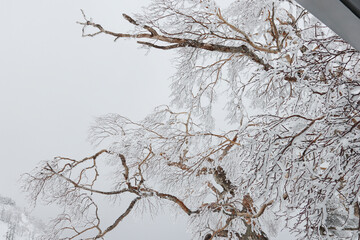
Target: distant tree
x=7 y=201
x=10 y=234
x=289 y=152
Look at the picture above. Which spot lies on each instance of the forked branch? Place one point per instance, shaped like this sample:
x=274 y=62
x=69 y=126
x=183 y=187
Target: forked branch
x=174 y=41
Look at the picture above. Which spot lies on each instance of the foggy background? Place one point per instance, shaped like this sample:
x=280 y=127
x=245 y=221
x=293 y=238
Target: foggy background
x=53 y=83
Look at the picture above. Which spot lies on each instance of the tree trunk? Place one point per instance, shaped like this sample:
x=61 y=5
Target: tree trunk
x=251 y=235
x=248 y=235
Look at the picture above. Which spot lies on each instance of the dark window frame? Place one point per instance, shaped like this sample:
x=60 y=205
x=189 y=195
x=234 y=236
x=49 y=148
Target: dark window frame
x=354 y=7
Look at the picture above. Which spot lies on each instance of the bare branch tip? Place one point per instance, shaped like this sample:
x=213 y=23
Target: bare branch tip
x=83 y=13
x=129 y=19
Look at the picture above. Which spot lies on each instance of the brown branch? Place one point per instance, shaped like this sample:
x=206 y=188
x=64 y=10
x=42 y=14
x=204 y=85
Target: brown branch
x=179 y=42
x=132 y=21
x=258 y=214
x=177 y=201
x=78 y=233
x=227 y=149
x=76 y=185
x=221 y=179
x=356 y=125
x=212 y=187
x=149 y=156
x=172 y=198
x=180 y=165
x=119 y=219
x=123 y=162
x=300 y=133
x=75 y=162
x=160 y=47
x=274 y=30
x=221 y=231
x=293 y=24
x=232 y=142
x=129 y=19
x=246 y=36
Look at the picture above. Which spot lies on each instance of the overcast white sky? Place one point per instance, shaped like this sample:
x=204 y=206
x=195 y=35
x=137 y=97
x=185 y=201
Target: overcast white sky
x=53 y=83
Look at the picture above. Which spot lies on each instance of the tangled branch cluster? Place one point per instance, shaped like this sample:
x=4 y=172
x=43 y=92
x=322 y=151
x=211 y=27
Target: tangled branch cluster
x=291 y=148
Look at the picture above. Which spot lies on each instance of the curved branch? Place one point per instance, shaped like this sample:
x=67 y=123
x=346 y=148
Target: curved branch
x=172 y=198
x=246 y=36
x=119 y=219
x=177 y=201
x=258 y=214
x=76 y=185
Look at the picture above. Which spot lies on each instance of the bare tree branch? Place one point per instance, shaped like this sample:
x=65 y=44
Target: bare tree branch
x=179 y=42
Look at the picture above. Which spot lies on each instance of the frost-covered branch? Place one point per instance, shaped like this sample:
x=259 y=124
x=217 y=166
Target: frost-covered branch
x=287 y=152
x=175 y=41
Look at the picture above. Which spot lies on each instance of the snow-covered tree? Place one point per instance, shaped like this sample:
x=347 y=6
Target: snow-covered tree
x=16 y=223
x=288 y=151
x=10 y=234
